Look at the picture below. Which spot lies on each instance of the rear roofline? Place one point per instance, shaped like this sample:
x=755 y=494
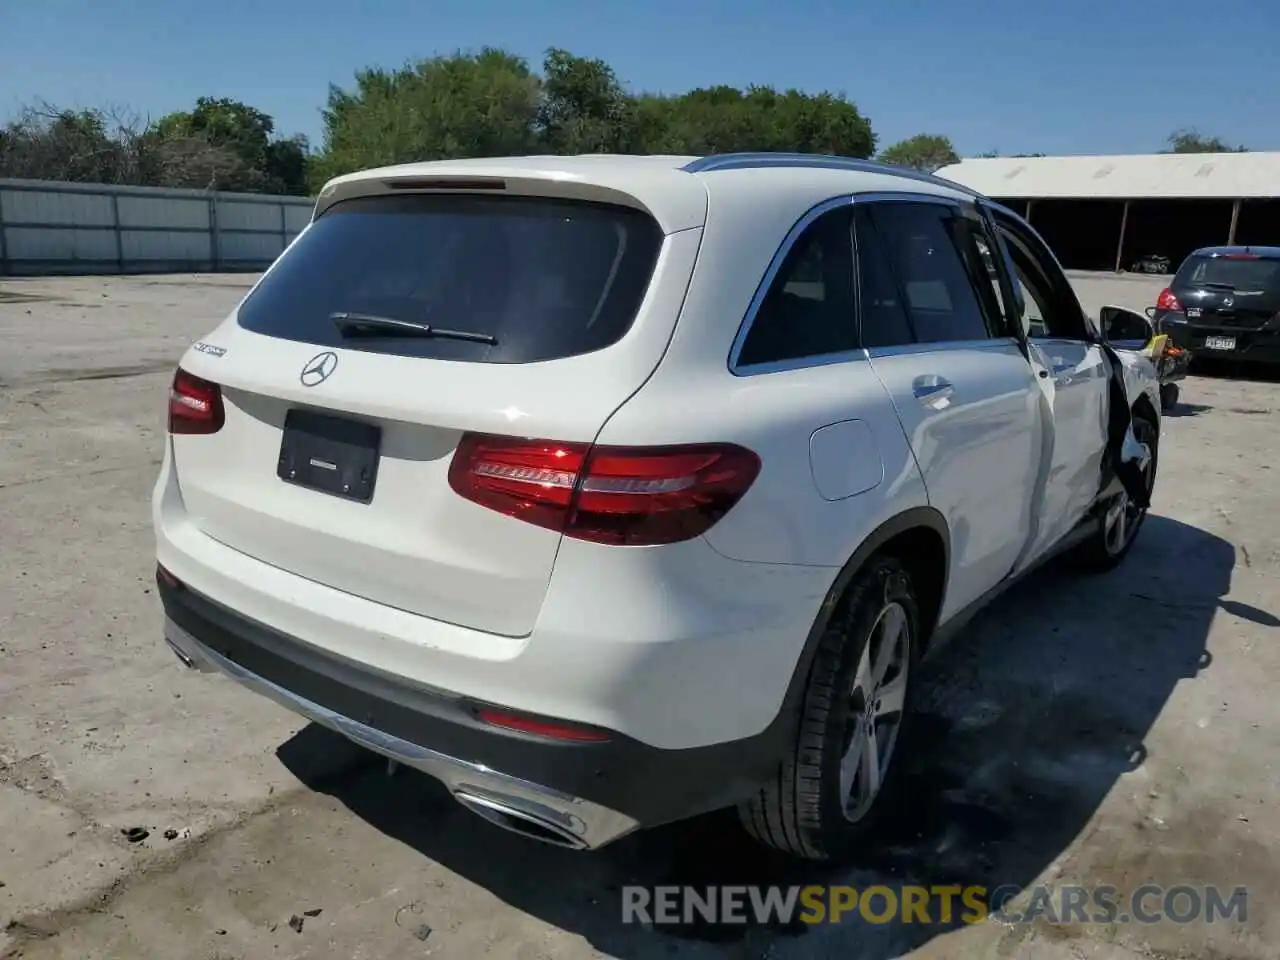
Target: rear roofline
x=674 y=190
x=656 y=185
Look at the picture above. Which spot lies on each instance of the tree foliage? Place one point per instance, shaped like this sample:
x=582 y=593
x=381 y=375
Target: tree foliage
x=1190 y=140
x=220 y=145
x=491 y=103
x=467 y=104
x=925 y=151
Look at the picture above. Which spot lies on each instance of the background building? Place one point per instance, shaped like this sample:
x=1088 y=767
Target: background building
x=1103 y=213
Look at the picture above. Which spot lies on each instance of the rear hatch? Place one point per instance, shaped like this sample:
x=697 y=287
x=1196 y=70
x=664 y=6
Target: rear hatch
x=527 y=316
x=1238 y=291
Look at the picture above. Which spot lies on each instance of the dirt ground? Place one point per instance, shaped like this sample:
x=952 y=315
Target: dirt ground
x=1117 y=730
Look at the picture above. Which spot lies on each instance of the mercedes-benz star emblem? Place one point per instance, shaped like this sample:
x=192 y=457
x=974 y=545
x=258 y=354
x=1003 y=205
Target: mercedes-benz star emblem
x=319 y=368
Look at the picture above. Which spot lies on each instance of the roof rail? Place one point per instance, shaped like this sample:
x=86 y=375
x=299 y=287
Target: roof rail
x=744 y=161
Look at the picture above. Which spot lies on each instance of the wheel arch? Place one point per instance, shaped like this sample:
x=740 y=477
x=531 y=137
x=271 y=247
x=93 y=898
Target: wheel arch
x=1144 y=408
x=918 y=537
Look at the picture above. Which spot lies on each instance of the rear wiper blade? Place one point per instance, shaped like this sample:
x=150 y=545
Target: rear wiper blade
x=371 y=325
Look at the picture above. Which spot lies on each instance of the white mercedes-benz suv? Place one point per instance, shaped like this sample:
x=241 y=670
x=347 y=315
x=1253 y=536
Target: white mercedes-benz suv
x=611 y=490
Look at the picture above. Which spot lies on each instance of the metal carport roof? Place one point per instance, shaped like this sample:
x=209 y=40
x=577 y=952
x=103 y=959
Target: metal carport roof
x=1162 y=176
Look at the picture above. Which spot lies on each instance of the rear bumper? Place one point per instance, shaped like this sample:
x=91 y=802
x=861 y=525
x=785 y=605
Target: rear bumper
x=511 y=802
x=574 y=794
x=1260 y=346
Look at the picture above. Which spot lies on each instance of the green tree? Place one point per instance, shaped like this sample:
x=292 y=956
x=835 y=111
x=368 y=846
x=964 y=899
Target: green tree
x=48 y=143
x=925 y=151
x=219 y=145
x=724 y=119
x=1189 y=140
x=464 y=105
x=233 y=144
x=583 y=107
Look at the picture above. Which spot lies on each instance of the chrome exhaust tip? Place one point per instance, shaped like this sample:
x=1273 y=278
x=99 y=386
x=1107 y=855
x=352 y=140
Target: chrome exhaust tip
x=186 y=659
x=522 y=819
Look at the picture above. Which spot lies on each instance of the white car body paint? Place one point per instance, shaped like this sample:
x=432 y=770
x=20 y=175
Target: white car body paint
x=679 y=645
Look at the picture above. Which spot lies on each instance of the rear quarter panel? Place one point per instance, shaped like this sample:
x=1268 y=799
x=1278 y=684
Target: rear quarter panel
x=866 y=472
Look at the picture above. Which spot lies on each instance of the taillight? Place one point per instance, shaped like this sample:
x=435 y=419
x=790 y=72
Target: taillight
x=1168 y=302
x=167 y=578
x=627 y=496
x=195 y=404
x=551 y=729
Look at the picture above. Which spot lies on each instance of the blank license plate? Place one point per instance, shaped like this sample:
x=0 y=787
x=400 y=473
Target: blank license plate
x=1219 y=343
x=329 y=454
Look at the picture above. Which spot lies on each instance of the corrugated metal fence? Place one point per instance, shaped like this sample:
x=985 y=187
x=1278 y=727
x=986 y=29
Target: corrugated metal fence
x=75 y=228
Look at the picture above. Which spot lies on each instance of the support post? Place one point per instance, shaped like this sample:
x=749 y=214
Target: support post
x=215 y=234
x=115 y=224
x=4 y=253
x=1124 y=225
x=1235 y=221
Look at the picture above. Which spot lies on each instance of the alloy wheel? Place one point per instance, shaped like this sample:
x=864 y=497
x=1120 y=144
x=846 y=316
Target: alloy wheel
x=877 y=707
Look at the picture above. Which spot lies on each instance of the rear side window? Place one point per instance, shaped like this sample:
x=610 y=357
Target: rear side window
x=808 y=309
x=1261 y=275
x=545 y=279
x=932 y=252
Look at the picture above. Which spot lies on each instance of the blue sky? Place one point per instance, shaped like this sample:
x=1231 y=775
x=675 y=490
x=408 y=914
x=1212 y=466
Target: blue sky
x=1033 y=76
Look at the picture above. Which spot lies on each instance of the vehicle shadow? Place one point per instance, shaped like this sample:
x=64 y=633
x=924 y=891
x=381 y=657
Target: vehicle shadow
x=1028 y=721
x=1184 y=409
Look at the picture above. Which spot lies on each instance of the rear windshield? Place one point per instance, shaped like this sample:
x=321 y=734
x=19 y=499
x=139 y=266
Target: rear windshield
x=546 y=279
x=1240 y=275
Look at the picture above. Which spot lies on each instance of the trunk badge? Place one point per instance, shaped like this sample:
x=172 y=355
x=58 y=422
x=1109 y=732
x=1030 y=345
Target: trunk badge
x=319 y=368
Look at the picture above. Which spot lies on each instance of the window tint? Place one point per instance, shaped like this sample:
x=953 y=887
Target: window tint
x=808 y=310
x=546 y=278
x=1033 y=309
x=881 y=312
x=931 y=250
x=1043 y=314
x=989 y=276
x=1237 y=273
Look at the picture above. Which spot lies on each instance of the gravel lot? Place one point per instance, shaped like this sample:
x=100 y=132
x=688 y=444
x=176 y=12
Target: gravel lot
x=1119 y=730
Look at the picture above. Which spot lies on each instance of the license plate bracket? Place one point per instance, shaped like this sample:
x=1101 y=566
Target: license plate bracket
x=330 y=454
x=1219 y=343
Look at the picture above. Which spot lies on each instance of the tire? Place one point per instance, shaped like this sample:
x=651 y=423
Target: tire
x=1104 y=551
x=801 y=810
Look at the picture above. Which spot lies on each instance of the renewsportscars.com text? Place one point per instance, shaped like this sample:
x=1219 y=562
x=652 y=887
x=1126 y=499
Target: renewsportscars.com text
x=938 y=904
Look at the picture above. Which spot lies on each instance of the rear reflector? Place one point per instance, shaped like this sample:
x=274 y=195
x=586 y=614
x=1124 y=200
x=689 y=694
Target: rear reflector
x=551 y=729
x=195 y=405
x=1167 y=301
x=167 y=578
x=626 y=496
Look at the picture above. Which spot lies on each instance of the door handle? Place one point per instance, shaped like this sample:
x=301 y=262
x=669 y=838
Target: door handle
x=932 y=389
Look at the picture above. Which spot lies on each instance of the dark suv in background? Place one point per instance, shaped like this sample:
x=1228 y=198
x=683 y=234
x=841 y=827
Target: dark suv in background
x=1224 y=302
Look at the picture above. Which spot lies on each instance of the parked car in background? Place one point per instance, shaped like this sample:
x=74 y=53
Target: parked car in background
x=1152 y=263
x=612 y=490
x=1224 y=302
